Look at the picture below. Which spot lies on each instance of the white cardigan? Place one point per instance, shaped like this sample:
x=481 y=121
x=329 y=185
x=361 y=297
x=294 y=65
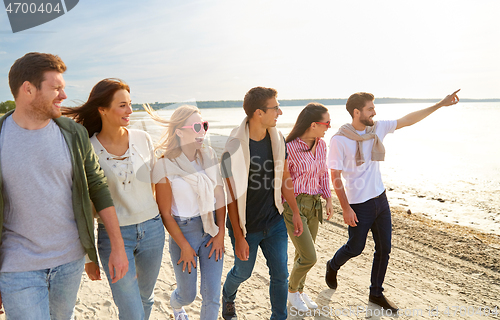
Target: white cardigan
x=237 y=146
x=131 y=190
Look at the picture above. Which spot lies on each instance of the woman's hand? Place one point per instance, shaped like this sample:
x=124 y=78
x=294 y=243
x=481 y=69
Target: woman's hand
x=217 y=243
x=92 y=270
x=188 y=257
x=297 y=224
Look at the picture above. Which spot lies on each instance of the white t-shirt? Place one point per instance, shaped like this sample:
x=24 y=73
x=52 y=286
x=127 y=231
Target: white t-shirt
x=184 y=198
x=362 y=182
x=184 y=202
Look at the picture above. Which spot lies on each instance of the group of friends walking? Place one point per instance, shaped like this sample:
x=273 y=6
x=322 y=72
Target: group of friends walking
x=59 y=174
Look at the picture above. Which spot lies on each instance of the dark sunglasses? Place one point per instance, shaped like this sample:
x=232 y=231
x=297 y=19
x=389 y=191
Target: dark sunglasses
x=197 y=126
x=325 y=123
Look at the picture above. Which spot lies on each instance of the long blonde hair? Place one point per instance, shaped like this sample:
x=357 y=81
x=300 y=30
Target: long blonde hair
x=169 y=145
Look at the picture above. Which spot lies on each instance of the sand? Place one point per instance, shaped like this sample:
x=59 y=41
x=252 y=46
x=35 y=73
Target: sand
x=432 y=265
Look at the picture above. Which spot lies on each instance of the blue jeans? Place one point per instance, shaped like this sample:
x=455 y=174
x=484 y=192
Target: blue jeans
x=373 y=214
x=47 y=294
x=133 y=294
x=274 y=244
x=210 y=270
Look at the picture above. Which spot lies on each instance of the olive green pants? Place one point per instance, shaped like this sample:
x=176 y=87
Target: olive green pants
x=311 y=213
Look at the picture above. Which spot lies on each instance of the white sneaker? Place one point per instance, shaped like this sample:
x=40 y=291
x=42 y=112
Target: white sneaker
x=310 y=303
x=296 y=301
x=180 y=314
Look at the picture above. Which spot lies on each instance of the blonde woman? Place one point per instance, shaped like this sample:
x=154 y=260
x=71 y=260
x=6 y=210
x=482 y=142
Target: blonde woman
x=127 y=158
x=191 y=200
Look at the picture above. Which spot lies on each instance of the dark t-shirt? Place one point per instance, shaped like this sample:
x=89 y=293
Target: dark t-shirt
x=261 y=212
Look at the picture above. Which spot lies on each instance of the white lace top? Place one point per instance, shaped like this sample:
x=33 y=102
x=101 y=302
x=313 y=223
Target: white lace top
x=129 y=178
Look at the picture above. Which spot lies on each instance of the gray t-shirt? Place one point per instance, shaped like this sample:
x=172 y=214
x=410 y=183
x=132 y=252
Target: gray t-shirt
x=39 y=230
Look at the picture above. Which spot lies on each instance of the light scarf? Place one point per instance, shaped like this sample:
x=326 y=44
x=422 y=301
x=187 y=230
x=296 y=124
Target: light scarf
x=238 y=148
x=203 y=184
x=378 y=150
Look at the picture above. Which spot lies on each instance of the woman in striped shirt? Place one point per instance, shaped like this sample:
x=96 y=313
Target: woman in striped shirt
x=307 y=166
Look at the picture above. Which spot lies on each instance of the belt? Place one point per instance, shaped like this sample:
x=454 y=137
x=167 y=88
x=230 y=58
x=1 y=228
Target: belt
x=315 y=203
x=383 y=193
x=186 y=218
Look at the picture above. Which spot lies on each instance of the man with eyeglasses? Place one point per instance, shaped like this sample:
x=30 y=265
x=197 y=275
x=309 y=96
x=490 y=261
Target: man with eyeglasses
x=254 y=167
x=355 y=152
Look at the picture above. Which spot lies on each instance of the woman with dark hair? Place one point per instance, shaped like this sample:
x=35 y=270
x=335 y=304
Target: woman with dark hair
x=307 y=166
x=127 y=158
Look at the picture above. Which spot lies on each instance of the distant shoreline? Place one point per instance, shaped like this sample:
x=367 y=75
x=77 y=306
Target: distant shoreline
x=291 y=103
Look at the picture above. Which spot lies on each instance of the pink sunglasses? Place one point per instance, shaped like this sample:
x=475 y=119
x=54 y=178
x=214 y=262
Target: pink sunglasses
x=197 y=126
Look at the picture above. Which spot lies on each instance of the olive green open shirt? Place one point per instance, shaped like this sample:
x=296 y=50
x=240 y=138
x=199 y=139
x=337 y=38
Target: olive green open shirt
x=89 y=182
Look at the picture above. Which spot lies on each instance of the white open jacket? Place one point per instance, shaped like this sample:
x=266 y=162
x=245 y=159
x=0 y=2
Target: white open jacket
x=238 y=148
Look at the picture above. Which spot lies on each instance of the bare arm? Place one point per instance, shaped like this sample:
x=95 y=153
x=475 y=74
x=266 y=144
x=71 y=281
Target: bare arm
x=414 y=117
x=92 y=268
x=349 y=214
x=164 y=200
x=220 y=217
x=241 y=248
x=287 y=192
x=327 y=193
x=118 y=262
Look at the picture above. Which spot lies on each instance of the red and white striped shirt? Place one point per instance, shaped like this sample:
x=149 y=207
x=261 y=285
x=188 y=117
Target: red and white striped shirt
x=309 y=173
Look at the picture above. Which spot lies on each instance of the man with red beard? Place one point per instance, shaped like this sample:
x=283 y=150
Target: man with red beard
x=355 y=152
x=49 y=174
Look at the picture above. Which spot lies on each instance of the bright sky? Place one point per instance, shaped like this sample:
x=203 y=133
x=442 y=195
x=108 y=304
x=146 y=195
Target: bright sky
x=217 y=50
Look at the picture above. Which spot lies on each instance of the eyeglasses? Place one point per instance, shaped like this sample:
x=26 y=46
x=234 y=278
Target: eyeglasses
x=276 y=108
x=197 y=126
x=325 y=123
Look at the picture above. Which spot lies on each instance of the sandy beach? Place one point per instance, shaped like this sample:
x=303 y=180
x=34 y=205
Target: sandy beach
x=433 y=265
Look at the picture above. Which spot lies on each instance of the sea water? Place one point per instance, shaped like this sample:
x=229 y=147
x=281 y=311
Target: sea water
x=447 y=166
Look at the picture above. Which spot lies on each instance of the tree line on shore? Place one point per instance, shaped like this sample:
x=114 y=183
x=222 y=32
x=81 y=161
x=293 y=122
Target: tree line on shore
x=287 y=103
x=7 y=106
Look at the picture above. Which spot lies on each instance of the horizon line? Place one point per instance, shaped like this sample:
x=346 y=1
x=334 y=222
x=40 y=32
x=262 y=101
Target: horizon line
x=335 y=99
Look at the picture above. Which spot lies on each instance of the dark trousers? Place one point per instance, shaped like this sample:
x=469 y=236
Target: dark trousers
x=274 y=244
x=374 y=215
